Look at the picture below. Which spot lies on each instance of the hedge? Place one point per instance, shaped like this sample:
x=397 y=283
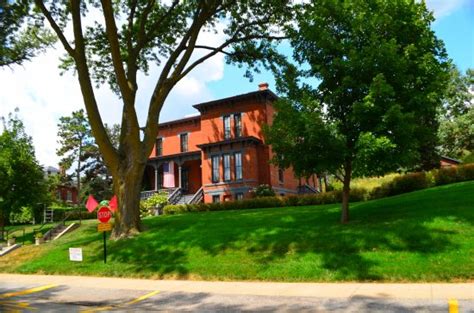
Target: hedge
x=401 y=184
x=356 y=194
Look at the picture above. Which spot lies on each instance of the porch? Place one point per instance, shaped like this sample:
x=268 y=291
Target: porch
x=178 y=175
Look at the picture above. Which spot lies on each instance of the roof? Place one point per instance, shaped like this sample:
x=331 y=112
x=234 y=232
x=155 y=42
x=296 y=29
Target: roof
x=170 y=157
x=259 y=94
x=248 y=139
x=450 y=159
x=180 y=121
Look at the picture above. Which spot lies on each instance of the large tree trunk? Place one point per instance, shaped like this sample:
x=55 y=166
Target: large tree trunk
x=346 y=192
x=127 y=185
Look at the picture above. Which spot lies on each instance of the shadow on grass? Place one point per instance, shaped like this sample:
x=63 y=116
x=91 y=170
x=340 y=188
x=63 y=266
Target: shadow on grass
x=398 y=224
x=417 y=224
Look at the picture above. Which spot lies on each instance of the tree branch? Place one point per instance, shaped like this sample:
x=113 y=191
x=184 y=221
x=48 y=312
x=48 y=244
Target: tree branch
x=56 y=28
x=111 y=30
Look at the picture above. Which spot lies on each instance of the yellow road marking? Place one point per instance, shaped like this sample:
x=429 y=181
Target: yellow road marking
x=453 y=306
x=110 y=307
x=25 y=292
x=15 y=306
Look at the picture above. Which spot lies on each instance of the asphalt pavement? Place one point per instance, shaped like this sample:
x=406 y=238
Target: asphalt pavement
x=40 y=293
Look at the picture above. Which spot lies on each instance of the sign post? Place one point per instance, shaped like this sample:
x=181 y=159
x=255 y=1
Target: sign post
x=104 y=215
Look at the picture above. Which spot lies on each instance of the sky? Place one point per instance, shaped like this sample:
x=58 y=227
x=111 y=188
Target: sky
x=43 y=95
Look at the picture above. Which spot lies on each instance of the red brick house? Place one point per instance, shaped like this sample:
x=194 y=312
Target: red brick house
x=220 y=154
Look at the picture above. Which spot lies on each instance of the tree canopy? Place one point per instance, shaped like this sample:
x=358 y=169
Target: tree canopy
x=21 y=177
x=21 y=33
x=364 y=94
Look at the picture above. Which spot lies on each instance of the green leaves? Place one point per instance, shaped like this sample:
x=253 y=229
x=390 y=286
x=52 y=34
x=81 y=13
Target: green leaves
x=381 y=72
x=22 y=35
x=21 y=177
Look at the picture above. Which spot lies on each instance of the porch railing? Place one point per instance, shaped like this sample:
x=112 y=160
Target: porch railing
x=175 y=196
x=198 y=196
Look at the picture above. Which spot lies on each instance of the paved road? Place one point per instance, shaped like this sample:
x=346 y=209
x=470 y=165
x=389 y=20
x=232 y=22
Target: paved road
x=86 y=294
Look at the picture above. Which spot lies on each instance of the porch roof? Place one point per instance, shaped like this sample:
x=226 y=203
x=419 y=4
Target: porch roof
x=178 y=157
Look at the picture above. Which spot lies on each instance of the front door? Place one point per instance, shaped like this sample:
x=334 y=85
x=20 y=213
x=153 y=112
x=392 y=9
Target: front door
x=185 y=179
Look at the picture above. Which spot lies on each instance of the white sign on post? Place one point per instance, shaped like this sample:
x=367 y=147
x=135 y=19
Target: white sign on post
x=75 y=254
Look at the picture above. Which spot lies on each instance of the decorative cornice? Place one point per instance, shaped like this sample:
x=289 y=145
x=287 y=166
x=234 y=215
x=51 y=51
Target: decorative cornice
x=260 y=96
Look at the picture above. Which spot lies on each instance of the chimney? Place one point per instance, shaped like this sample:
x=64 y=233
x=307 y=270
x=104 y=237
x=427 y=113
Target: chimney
x=263 y=86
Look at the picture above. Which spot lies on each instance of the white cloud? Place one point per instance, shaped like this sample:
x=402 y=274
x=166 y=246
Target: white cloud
x=42 y=95
x=443 y=8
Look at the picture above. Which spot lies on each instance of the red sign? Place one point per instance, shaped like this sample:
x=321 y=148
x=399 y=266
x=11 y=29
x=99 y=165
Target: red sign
x=104 y=214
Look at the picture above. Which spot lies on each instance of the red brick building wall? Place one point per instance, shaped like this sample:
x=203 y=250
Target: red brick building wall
x=206 y=139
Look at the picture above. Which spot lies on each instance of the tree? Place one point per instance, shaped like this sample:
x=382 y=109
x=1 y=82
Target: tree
x=75 y=138
x=97 y=179
x=21 y=33
x=456 y=132
x=379 y=72
x=21 y=177
x=136 y=33
x=459 y=99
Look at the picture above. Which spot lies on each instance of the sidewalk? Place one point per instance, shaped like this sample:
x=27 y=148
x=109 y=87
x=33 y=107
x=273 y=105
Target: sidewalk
x=432 y=291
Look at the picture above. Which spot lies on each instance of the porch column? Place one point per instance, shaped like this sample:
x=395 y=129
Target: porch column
x=179 y=175
x=156 y=178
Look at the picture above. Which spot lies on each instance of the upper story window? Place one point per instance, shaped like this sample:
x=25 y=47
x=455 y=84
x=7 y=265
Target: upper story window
x=238 y=165
x=227 y=127
x=184 y=142
x=159 y=147
x=226 y=167
x=215 y=169
x=238 y=124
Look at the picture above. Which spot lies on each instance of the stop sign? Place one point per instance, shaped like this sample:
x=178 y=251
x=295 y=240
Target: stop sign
x=104 y=214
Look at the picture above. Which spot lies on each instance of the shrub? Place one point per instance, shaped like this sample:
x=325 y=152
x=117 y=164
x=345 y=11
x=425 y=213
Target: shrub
x=25 y=215
x=39 y=235
x=156 y=202
x=466 y=172
x=401 y=184
x=264 y=191
x=446 y=175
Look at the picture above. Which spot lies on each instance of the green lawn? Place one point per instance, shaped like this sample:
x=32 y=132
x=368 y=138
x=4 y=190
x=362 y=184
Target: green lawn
x=422 y=236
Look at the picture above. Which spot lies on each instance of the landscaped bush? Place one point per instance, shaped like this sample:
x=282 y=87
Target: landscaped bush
x=466 y=172
x=156 y=202
x=446 y=176
x=449 y=175
x=400 y=184
x=357 y=194
x=264 y=191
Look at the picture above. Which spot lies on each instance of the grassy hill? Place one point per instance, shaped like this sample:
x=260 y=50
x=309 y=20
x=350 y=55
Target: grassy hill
x=421 y=236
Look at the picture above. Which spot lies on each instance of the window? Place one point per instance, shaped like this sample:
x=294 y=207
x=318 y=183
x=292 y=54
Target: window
x=239 y=196
x=216 y=199
x=69 y=195
x=184 y=142
x=159 y=147
x=238 y=124
x=215 y=169
x=280 y=175
x=227 y=127
x=238 y=165
x=226 y=167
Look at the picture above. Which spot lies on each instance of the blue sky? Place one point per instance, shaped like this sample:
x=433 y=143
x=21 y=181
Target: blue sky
x=43 y=95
